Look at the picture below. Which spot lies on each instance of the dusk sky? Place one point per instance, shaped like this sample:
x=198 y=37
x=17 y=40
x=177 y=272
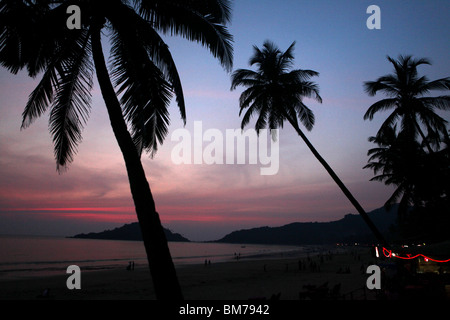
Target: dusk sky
x=205 y=202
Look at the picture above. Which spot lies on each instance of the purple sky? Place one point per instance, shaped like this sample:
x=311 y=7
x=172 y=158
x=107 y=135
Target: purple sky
x=204 y=202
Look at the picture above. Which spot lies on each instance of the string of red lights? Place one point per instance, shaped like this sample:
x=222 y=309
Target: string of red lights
x=388 y=254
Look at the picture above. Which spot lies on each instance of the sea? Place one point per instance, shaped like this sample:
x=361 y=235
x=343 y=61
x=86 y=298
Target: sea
x=34 y=256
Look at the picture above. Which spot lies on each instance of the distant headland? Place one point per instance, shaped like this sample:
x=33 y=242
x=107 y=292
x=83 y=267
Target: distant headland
x=129 y=231
x=349 y=229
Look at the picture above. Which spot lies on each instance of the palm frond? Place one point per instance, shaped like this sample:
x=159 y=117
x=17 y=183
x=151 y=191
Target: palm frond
x=43 y=95
x=414 y=63
x=255 y=100
x=72 y=103
x=219 y=9
x=23 y=46
x=245 y=78
x=372 y=87
x=145 y=92
x=16 y=36
x=21 y=24
x=157 y=50
x=431 y=119
x=381 y=177
x=256 y=57
x=266 y=59
x=381 y=105
x=305 y=115
x=247 y=116
x=440 y=103
x=308 y=89
x=298 y=76
x=194 y=24
x=44 y=49
x=285 y=60
x=264 y=113
x=439 y=84
x=249 y=95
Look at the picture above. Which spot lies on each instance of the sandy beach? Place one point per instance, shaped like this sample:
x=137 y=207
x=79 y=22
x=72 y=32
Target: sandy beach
x=286 y=278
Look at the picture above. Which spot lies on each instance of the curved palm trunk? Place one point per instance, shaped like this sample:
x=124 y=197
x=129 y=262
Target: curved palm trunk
x=338 y=181
x=160 y=261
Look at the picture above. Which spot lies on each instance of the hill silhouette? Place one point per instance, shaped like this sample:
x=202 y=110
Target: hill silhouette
x=350 y=229
x=130 y=231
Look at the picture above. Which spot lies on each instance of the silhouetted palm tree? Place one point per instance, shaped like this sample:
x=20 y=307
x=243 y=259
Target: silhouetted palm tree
x=396 y=161
x=406 y=92
x=34 y=36
x=275 y=93
x=421 y=180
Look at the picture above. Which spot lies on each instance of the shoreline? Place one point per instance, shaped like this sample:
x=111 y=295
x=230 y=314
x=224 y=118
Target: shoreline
x=26 y=270
x=243 y=279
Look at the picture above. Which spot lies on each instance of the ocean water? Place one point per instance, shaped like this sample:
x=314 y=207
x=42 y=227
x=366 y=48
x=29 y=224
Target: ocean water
x=29 y=256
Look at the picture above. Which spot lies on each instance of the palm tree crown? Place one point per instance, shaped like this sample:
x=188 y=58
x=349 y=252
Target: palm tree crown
x=274 y=91
x=406 y=92
x=34 y=36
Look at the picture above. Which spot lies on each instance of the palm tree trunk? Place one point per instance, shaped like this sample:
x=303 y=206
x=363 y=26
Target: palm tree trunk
x=338 y=181
x=160 y=261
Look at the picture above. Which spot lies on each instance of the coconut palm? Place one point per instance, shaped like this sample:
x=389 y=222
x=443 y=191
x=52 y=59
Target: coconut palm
x=396 y=162
x=421 y=182
x=405 y=91
x=275 y=93
x=142 y=72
